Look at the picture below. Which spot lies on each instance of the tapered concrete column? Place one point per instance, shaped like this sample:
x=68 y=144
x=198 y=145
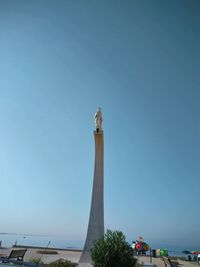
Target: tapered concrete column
x=96 y=220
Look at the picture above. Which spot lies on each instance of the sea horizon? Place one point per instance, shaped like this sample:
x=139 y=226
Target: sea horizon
x=53 y=241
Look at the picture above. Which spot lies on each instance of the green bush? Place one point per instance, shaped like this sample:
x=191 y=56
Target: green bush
x=112 y=250
x=36 y=260
x=61 y=263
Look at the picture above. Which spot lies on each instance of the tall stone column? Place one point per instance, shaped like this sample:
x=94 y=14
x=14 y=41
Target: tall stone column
x=96 y=220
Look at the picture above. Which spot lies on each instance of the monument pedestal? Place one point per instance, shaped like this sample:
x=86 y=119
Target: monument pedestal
x=86 y=264
x=96 y=220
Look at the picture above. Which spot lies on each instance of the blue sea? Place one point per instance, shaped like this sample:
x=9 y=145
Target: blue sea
x=61 y=242
x=40 y=240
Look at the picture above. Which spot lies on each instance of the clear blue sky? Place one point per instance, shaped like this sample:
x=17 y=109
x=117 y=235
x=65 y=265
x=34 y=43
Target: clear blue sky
x=139 y=61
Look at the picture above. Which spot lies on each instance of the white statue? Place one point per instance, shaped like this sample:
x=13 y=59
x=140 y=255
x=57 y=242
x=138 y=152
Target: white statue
x=98 y=120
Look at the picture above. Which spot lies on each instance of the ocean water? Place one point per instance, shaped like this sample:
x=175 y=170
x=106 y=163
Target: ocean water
x=40 y=240
x=175 y=249
x=61 y=242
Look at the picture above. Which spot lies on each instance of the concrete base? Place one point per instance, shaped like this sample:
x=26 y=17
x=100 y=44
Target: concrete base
x=84 y=265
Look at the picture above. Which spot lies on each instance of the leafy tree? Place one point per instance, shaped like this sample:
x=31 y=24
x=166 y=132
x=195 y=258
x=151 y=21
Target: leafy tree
x=112 y=250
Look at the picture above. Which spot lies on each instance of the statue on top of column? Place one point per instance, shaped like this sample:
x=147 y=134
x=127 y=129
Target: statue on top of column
x=98 y=119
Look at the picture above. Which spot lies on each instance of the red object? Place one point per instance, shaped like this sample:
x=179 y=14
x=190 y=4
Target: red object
x=138 y=246
x=196 y=252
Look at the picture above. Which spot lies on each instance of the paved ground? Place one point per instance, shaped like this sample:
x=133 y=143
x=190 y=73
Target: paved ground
x=147 y=261
x=187 y=263
x=74 y=256
x=34 y=253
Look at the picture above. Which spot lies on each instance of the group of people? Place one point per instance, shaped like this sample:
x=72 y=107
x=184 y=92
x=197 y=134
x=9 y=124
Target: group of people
x=140 y=247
